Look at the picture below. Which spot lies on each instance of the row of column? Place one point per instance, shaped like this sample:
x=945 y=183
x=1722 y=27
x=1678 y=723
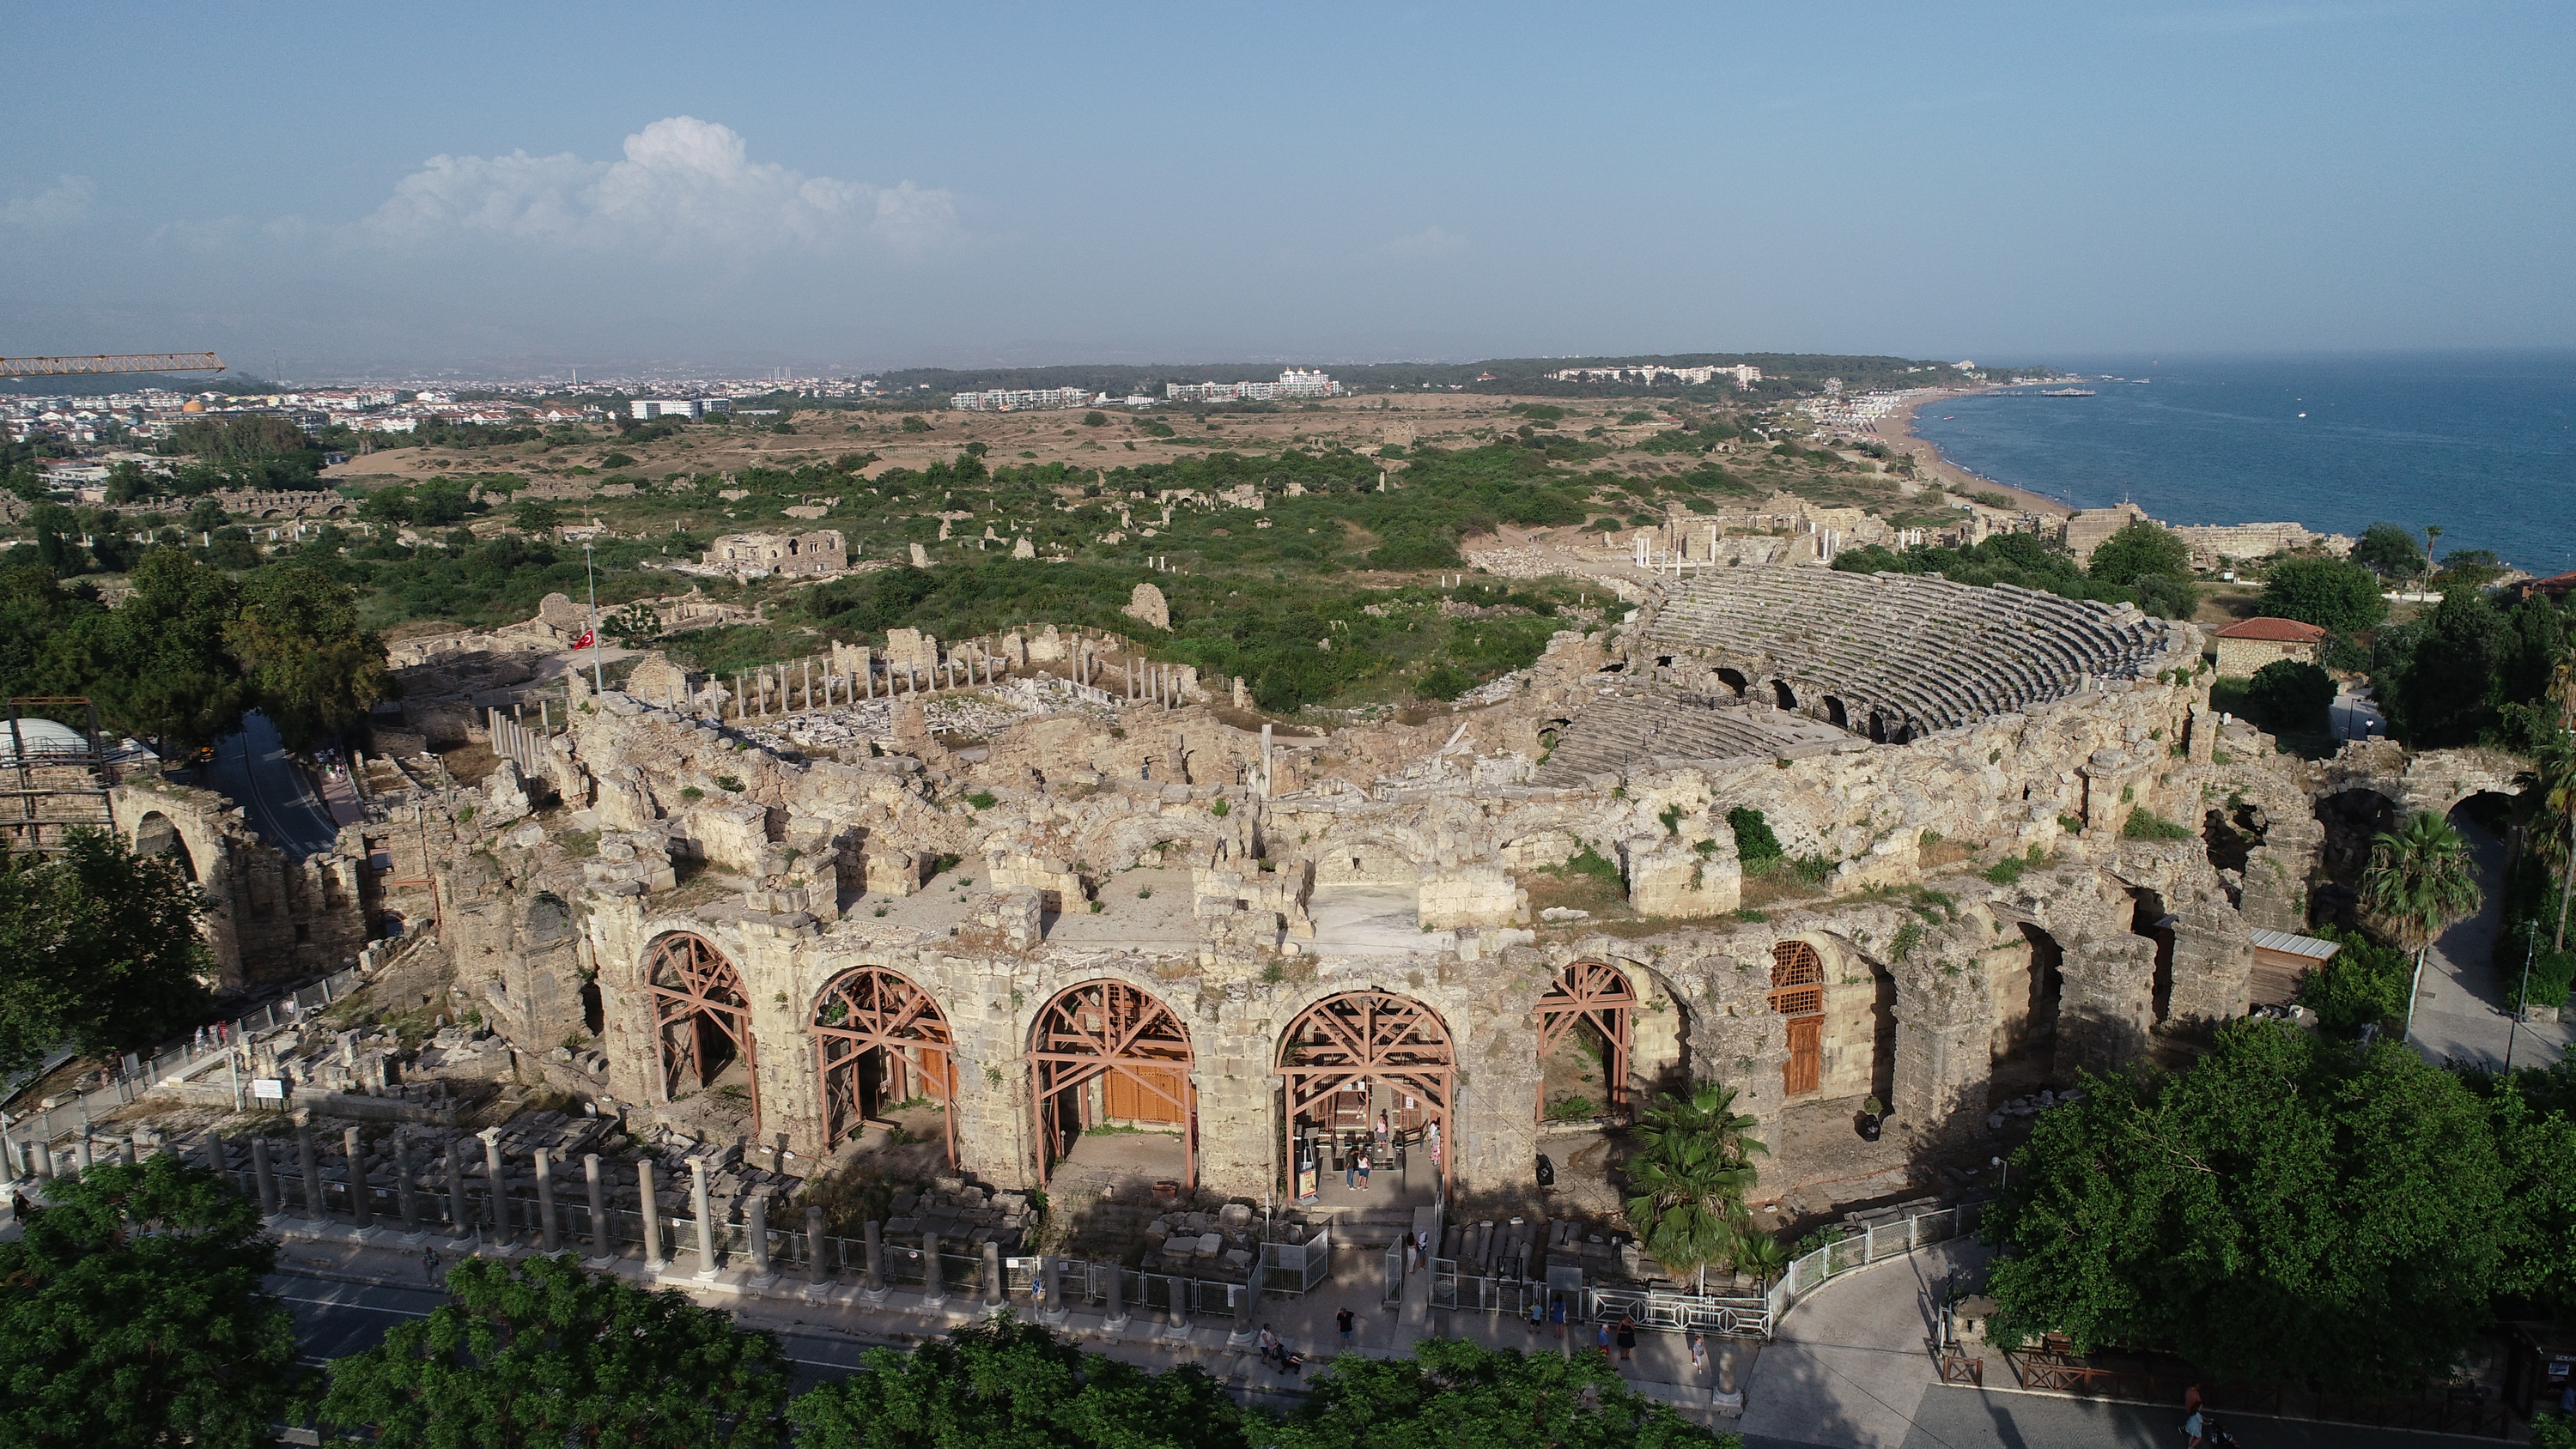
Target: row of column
x=1152 y=683
x=36 y=1161
x=974 y=672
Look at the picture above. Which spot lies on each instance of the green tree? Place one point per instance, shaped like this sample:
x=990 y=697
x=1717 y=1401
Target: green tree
x=1004 y=1384
x=205 y=516
x=2268 y=1213
x=132 y=1316
x=2330 y=593
x=2449 y=693
x=2418 y=882
x=1458 y=1392
x=2364 y=983
x=2140 y=550
x=102 y=950
x=541 y=1352
x=1688 y=1176
x=537 y=515
x=155 y=664
x=2391 y=550
x=314 y=669
x=2290 y=696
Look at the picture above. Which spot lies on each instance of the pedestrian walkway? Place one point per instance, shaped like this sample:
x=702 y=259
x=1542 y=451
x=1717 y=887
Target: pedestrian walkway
x=2460 y=1011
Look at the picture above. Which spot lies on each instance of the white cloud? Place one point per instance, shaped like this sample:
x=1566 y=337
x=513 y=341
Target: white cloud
x=1431 y=241
x=65 y=203
x=686 y=185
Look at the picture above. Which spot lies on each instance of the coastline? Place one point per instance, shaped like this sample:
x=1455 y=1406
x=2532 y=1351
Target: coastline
x=1897 y=431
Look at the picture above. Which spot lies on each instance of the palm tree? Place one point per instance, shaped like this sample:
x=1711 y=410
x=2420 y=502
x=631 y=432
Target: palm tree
x=1762 y=1255
x=1688 y=1178
x=2419 y=881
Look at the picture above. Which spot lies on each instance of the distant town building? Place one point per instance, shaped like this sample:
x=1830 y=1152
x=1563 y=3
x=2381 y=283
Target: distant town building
x=1743 y=375
x=2247 y=645
x=754 y=554
x=692 y=408
x=1021 y=400
x=1293 y=383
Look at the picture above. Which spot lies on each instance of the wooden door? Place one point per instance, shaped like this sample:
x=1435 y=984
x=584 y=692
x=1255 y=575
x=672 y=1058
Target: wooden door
x=1805 y=1069
x=1126 y=1099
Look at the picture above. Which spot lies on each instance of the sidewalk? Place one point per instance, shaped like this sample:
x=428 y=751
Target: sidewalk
x=1222 y=1347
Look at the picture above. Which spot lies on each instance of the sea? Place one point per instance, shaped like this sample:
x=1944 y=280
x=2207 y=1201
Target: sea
x=2481 y=445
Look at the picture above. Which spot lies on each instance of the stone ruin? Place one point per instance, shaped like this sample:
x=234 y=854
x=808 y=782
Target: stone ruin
x=1113 y=915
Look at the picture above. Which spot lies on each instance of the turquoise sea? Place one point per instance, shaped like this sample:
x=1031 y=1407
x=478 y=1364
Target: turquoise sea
x=2481 y=445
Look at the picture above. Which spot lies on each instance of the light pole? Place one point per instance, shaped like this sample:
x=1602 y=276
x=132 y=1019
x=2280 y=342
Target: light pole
x=2522 y=1001
x=596 y=687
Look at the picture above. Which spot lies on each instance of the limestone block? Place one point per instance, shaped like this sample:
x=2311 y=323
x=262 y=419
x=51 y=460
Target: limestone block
x=1470 y=895
x=1669 y=877
x=508 y=792
x=733 y=836
x=1148 y=606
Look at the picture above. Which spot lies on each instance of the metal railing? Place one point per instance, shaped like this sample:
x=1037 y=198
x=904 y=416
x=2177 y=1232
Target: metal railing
x=1873 y=1244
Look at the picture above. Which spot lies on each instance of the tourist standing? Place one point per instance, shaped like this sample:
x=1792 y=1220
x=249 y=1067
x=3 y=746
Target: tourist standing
x=1627 y=1338
x=1556 y=1315
x=1346 y=1322
x=1364 y=1168
x=1270 y=1353
x=1699 y=1356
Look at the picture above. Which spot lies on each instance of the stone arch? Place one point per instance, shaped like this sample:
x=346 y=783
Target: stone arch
x=1116 y=844
x=158 y=834
x=1365 y=1037
x=1782 y=695
x=548 y=922
x=1107 y=1050
x=2026 y=1016
x=2349 y=818
x=1798 y=997
x=701 y=1016
x=877 y=1038
x=2149 y=918
x=1734 y=679
x=1591 y=999
x=1835 y=714
x=1373 y=854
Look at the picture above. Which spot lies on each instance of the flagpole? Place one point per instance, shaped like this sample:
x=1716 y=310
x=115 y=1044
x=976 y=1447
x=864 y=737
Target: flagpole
x=596 y=687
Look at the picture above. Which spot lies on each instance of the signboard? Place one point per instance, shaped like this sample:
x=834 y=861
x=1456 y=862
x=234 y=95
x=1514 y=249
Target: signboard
x=1306 y=1179
x=268 y=1089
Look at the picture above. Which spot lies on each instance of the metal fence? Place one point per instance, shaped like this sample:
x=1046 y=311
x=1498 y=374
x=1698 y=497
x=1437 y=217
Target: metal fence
x=1297 y=1267
x=1874 y=1244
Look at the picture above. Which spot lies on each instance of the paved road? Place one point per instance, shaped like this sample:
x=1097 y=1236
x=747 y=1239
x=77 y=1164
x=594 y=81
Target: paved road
x=276 y=794
x=2459 y=1006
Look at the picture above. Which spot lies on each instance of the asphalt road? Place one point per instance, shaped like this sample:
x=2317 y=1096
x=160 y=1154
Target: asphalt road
x=276 y=794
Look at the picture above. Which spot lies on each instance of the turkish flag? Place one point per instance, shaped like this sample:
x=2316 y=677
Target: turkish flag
x=585 y=641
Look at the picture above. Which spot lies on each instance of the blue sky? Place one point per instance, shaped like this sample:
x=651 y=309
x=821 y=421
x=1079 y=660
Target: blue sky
x=368 y=188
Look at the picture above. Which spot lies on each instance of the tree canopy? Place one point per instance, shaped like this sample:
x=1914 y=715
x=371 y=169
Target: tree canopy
x=132 y=1316
x=541 y=1352
x=2330 y=593
x=2140 y=550
x=2289 y=1206
x=2290 y=696
x=2391 y=550
x=1688 y=1176
x=101 y=947
x=1011 y=1385
x=1458 y=1392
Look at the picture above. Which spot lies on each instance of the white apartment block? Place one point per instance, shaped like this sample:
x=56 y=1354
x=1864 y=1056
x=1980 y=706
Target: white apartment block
x=1019 y=400
x=1295 y=382
x=1743 y=374
x=692 y=408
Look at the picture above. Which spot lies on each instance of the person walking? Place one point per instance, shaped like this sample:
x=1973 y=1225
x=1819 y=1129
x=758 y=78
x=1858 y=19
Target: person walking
x=1364 y=1168
x=1270 y=1351
x=1699 y=1356
x=1627 y=1338
x=1351 y=1169
x=1346 y=1322
x=429 y=1265
x=1556 y=1315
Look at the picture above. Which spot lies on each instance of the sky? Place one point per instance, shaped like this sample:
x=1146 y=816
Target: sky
x=345 y=191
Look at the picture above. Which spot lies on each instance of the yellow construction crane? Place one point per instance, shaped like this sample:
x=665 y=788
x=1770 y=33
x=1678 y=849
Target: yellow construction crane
x=115 y=362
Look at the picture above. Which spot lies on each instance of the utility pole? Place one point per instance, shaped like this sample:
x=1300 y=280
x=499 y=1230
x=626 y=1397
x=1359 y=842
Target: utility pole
x=2522 y=1000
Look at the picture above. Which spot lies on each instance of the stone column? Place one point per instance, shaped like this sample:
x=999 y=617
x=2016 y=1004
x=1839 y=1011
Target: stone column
x=1050 y=1291
x=814 y=1245
x=88 y=1150
x=652 y=1217
x=598 y=1205
x=497 y=1194
x=362 y=1206
x=459 y=1222
x=699 y=1204
x=544 y=1163
x=874 y=1287
x=263 y=1174
x=1117 y=1308
x=125 y=1151
x=311 y=1163
x=406 y=1198
x=933 y=1292
x=755 y=1229
x=1180 y=1327
x=992 y=1275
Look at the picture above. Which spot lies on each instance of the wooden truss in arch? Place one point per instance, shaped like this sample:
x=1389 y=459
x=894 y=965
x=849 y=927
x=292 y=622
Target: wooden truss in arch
x=1797 y=979
x=1599 y=993
x=1124 y=1038
x=1369 y=1035
x=870 y=1010
x=697 y=992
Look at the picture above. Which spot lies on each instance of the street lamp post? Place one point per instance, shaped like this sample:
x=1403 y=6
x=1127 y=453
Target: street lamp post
x=596 y=687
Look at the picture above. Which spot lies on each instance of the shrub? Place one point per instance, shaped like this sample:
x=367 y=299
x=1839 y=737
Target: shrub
x=1220 y=809
x=2290 y=696
x=2365 y=982
x=982 y=800
x=1754 y=842
x=2145 y=824
x=729 y=784
x=1593 y=863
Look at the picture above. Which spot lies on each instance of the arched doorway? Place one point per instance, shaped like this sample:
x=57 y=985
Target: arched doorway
x=1733 y=679
x=156 y=834
x=1782 y=695
x=1104 y=1052
x=1835 y=714
x=701 y=1018
x=1591 y=1002
x=1340 y=1050
x=878 y=1040
x=1798 y=993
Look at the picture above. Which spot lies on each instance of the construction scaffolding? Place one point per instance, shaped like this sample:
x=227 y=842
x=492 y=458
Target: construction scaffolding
x=57 y=774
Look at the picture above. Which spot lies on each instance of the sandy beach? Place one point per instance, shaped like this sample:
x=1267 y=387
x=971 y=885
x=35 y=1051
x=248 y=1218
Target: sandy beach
x=1897 y=431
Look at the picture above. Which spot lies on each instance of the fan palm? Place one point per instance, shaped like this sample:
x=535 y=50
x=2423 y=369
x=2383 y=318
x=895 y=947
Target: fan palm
x=2418 y=882
x=1688 y=1178
x=1762 y=1255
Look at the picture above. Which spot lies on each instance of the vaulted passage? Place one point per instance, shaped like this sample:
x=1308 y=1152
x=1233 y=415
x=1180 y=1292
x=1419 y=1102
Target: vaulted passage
x=1592 y=1003
x=1342 y=1049
x=702 y=1018
x=881 y=1040
x=1106 y=1052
